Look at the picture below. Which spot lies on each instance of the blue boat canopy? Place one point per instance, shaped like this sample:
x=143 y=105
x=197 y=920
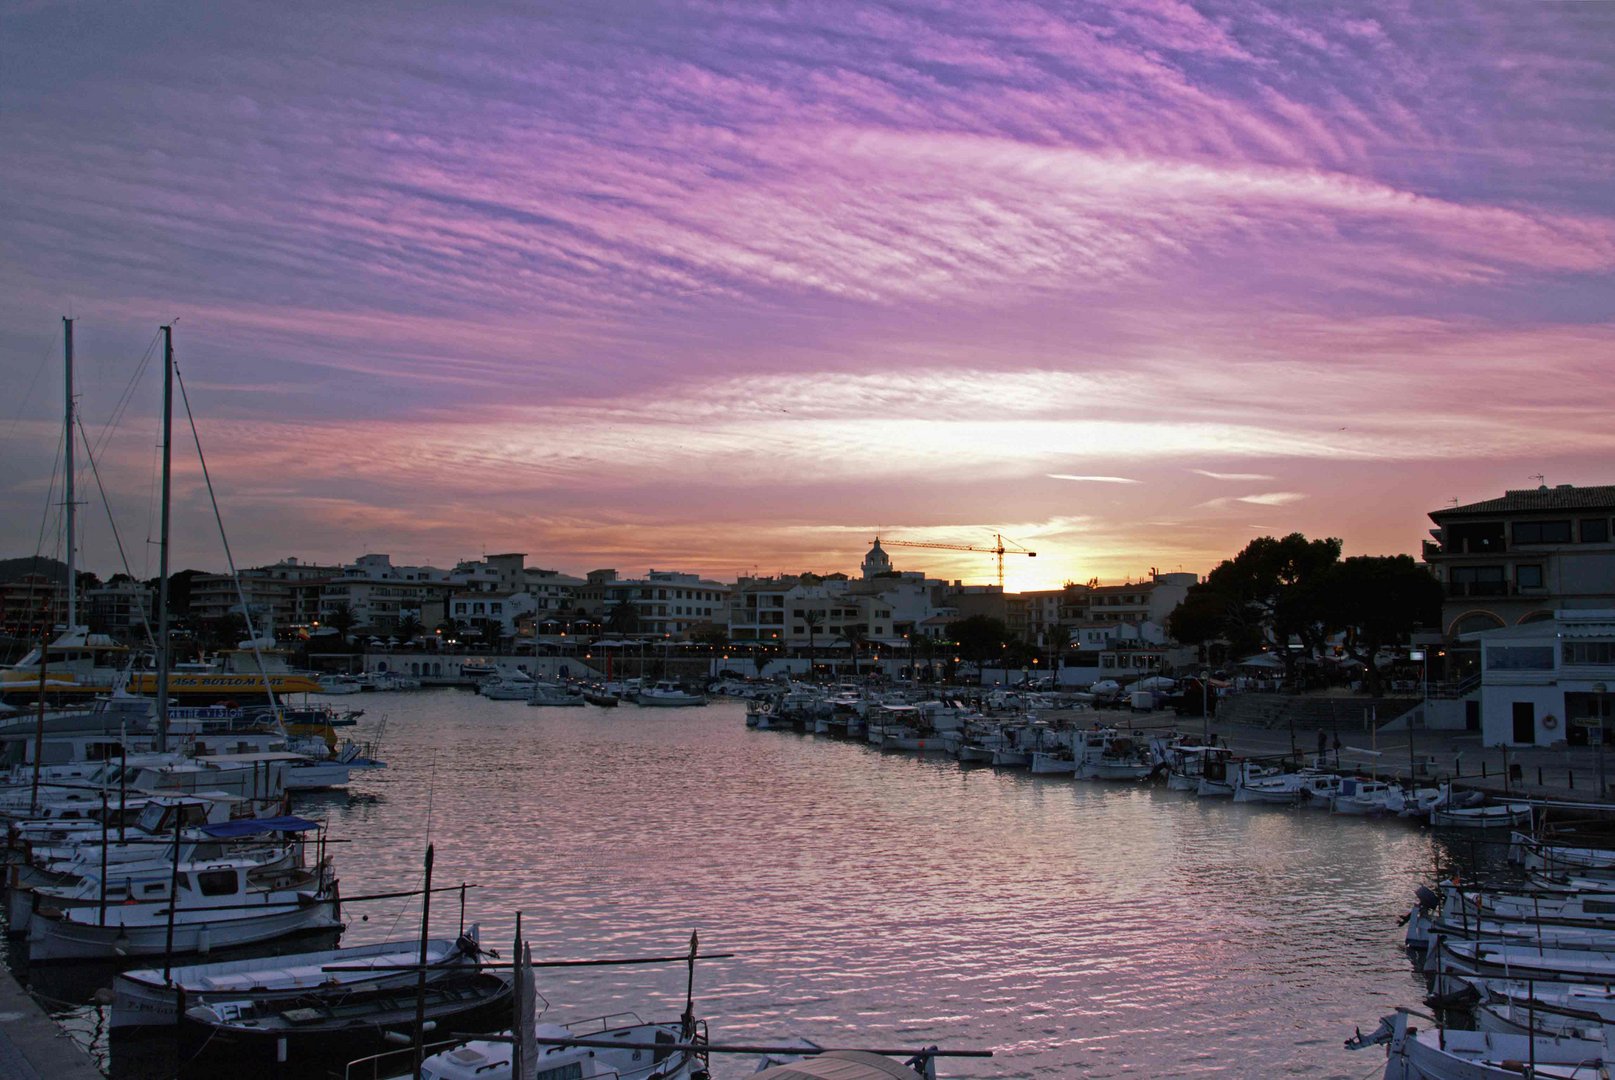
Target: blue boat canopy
x=254 y=826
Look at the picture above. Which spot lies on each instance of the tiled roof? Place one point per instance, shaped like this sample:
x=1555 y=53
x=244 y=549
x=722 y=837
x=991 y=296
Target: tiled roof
x=1563 y=497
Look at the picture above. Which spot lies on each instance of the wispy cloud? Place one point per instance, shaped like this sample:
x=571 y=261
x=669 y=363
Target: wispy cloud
x=1231 y=475
x=807 y=259
x=1095 y=479
x=1276 y=498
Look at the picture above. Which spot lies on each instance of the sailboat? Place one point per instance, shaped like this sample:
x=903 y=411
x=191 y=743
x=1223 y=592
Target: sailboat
x=80 y=666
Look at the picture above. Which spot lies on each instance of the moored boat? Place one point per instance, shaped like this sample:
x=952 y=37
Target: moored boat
x=152 y=996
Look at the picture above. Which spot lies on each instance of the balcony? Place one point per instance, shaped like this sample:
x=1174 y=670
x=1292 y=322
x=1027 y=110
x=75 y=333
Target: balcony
x=1458 y=590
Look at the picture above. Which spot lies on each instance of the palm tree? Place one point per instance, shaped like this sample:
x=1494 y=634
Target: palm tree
x=341 y=619
x=811 y=619
x=855 y=637
x=624 y=618
x=409 y=628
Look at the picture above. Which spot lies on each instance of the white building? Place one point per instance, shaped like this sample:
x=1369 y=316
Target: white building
x=1548 y=681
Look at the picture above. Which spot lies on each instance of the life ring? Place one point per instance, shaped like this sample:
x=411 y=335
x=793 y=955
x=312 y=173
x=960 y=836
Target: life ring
x=1550 y=722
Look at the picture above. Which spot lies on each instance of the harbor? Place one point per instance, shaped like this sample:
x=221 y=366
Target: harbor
x=874 y=898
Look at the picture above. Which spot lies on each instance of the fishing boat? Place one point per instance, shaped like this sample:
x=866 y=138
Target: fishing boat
x=554 y=694
x=668 y=694
x=850 y=1065
x=154 y=997
x=219 y=904
x=1489 y=816
x=1437 y=1053
x=1122 y=760
x=646 y=1052
x=1365 y=798
x=507 y=688
x=323 y=1022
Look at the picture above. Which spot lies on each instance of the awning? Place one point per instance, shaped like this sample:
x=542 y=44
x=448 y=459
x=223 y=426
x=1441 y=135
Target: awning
x=254 y=826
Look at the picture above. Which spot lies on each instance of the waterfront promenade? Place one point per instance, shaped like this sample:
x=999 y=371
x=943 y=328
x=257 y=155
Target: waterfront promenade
x=1547 y=773
x=32 y=1045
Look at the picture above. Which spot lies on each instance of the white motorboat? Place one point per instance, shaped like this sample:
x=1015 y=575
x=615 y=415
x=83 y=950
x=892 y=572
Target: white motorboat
x=1217 y=772
x=507 y=688
x=333 y=685
x=220 y=903
x=1454 y=964
x=554 y=695
x=1534 y=854
x=1434 y=1053
x=1365 y=798
x=668 y=694
x=151 y=997
x=1517 y=1005
x=1121 y=759
x=1053 y=761
x=637 y=1059
x=1489 y=816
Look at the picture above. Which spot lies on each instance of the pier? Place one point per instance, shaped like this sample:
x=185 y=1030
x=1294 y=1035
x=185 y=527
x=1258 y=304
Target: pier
x=32 y=1045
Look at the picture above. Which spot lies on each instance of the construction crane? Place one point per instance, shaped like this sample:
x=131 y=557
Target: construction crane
x=998 y=549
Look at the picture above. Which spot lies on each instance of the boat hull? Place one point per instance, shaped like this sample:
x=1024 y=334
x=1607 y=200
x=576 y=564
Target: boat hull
x=53 y=940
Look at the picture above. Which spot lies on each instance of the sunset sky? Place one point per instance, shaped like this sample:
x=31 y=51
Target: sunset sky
x=722 y=287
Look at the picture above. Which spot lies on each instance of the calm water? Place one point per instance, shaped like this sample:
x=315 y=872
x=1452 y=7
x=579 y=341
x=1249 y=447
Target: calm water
x=1074 y=928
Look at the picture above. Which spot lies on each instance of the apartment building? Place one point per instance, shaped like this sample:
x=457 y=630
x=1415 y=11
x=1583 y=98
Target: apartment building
x=1523 y=556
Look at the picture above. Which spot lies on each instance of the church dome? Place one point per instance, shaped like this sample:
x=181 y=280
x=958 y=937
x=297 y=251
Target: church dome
x=877 y=561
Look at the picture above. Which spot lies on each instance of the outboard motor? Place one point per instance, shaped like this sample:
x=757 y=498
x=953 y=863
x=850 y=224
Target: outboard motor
x=1427 y=898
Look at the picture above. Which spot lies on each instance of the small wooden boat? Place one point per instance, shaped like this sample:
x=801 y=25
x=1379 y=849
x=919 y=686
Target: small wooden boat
x=1434 y=1053
x=668 y=694
x=334 y=1021
x=1492 y=816
x=151 y=997
x=487 y=1060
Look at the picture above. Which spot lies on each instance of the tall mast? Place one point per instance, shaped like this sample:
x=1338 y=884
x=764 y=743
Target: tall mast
x=67 y=465
x=162 y=544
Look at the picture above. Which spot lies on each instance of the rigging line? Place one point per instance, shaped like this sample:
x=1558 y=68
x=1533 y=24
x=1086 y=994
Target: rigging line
x=235 y=578
x=123 y=557
x=431 y=794
x=127 y=397
x=44 y=359
x=44 y=519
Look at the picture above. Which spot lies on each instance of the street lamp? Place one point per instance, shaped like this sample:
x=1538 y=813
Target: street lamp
x=1205 y=702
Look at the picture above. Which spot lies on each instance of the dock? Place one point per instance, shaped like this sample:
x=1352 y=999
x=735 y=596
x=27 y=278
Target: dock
x=32 y=1045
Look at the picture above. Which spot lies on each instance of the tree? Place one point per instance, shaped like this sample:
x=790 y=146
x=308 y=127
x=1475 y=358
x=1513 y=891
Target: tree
x=1270 y=593
x=624 y=618
x=855 y=637
x=409 y=628
x=1377 y=601
x=980 y=637
x=714 y=637
x=811 y=619
x=341 y=618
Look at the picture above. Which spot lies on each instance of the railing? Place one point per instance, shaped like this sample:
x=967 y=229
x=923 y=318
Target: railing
x=1479 y=588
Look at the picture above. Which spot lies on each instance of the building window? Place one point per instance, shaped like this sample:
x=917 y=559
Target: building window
x=1528 y=577
x=1589 y=652
x=1595 y=530
x=1519 y=658
x=1542 y=532
x=1478 y=581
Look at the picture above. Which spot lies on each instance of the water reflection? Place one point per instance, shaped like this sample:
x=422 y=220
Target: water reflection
x=887 y=899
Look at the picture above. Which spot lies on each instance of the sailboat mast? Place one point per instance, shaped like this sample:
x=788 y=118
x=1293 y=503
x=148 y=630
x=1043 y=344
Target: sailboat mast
x=163 y=661
x=67 y=465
